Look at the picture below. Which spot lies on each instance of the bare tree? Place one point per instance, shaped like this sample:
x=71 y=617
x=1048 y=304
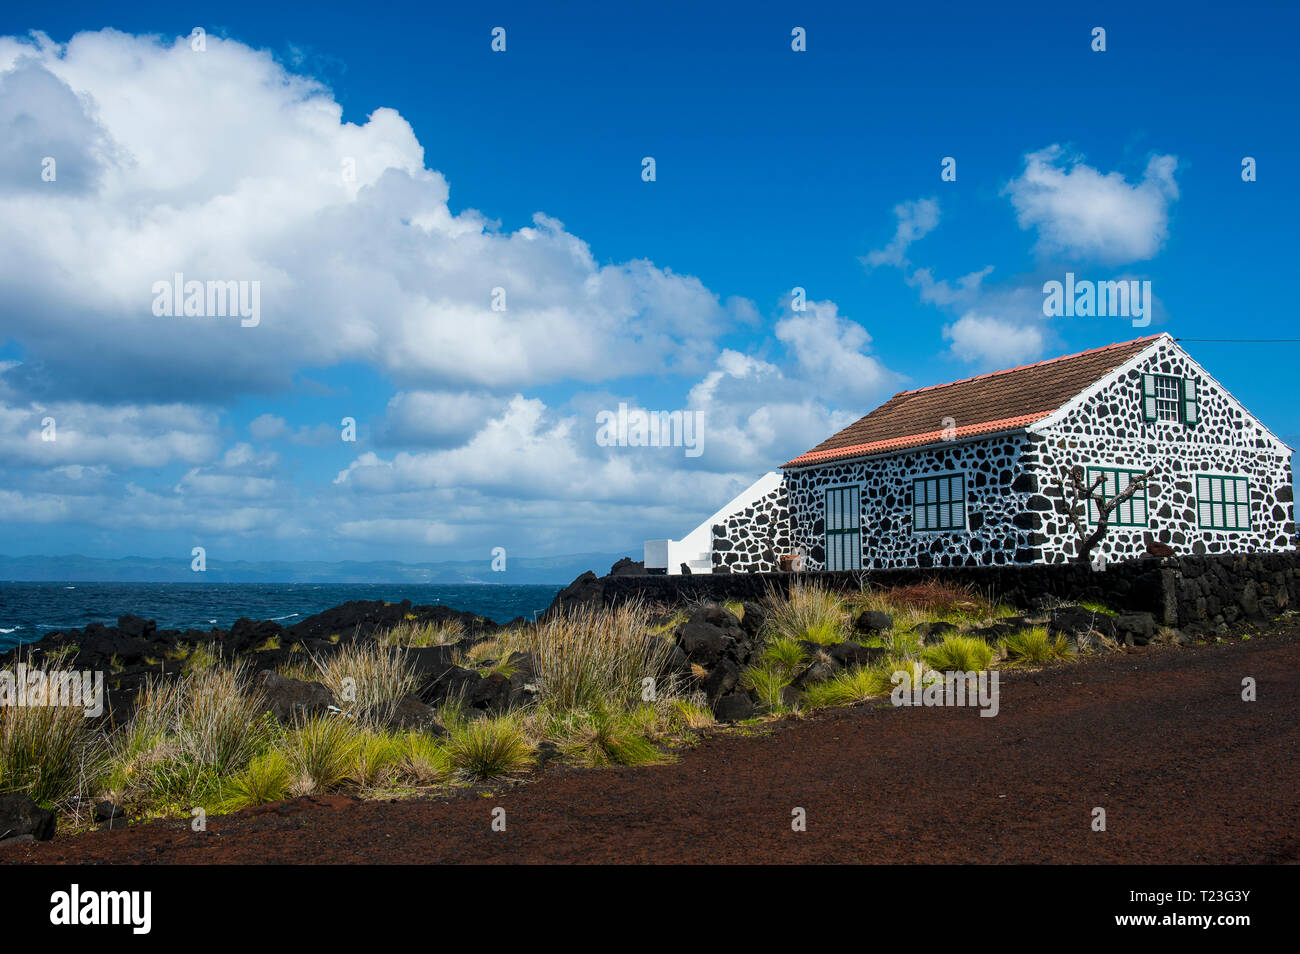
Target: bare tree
x=1079 y=493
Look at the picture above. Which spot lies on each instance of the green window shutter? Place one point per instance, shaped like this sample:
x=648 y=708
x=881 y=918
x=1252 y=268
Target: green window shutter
x=1148 y=397
x=1191 y=402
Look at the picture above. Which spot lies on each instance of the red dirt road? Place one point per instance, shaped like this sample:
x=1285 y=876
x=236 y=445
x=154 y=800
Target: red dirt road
x=1186 y=771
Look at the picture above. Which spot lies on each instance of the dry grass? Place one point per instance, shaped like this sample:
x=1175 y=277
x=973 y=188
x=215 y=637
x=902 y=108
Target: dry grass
x=51 y=752
x=589 y=658
x=368 y=680
x=809 y=612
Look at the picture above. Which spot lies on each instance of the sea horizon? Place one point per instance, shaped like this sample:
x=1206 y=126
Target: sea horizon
x=30 y=610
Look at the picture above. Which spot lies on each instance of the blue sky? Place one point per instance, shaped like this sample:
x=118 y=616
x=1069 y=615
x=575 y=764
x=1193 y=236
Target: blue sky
x=774 y=169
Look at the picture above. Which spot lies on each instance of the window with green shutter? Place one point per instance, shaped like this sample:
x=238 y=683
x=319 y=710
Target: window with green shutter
x=1130 y=513
x=1169 y=398
x=939 y=503
x=1222 y=503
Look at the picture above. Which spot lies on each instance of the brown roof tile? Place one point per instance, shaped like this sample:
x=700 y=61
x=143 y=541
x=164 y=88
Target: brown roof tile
x=1000 y=400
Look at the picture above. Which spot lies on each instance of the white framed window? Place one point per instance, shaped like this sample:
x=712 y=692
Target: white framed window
x=939 y=503
x=1169 y=398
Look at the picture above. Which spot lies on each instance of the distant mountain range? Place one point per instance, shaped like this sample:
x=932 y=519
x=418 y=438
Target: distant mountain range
x=81 y=569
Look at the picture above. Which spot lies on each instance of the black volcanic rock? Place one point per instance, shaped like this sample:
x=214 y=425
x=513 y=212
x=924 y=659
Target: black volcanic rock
x=20 y=817
x=290 y=700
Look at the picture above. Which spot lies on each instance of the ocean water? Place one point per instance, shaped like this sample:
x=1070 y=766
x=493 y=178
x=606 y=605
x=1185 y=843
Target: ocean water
x=30 y=610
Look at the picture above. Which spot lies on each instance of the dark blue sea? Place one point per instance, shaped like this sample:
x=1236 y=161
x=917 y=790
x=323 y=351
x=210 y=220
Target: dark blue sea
x=30 y=610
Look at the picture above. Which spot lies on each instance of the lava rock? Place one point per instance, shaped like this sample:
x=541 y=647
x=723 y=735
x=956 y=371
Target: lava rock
x=873 y=621
x=1075 y=620
x=290 y=700
x=107 y=813
x=934 y=632
x=411 y=714
x=490 y=694
x=753 y=620
x=20 y=816
x=703 y=643
x=733 y=707
x=440 y=682
x=135 y=626
x=849 y=654
x=721 y=679
x=1136 y=628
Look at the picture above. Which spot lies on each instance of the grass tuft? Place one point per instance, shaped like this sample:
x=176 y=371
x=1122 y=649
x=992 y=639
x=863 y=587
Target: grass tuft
x=959 y=654
x=1035 y=647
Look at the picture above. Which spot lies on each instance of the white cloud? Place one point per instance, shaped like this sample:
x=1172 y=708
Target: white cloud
x=993 y=341
x=830 y=351
x=916 y=219
x=436 y=418
x=1080 y=211
x=223 y=166
x=119 y=436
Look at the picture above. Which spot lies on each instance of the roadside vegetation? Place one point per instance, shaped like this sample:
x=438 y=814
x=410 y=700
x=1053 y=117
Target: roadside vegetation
x=599 y=687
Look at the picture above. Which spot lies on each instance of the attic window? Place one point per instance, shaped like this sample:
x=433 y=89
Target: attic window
x=1169 y=398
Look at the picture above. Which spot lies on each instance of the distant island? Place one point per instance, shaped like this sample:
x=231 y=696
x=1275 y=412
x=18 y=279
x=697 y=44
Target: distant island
x=132 y=569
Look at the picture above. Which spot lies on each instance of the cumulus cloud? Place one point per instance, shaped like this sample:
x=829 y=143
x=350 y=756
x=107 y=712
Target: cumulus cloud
x=1080 y=211
x=225 y=165
x=831 y=351
x=222 y=165
x=123 y=436
x=991 y=341
x=436 y=418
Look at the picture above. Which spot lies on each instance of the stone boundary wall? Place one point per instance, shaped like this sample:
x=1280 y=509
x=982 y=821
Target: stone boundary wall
x=1189 y=591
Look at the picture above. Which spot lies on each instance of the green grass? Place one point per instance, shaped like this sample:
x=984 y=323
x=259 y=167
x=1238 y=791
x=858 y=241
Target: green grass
x=1035 y=647
x=489 y=748
x=189 y=737
x=600 y=737
x=590 y=658
x=410 y=632
x=1101 y=609
x=50 y=752
x=960 y=654
x=322 y=753
x=810 y=613
x=377 y=759
x=854 y=685
x=267 y=779
x=368 y=680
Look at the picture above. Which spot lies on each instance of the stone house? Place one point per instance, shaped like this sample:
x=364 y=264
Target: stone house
x=972 y=472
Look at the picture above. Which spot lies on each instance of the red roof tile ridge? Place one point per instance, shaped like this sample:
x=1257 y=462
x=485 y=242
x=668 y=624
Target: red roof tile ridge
x=1035 y=364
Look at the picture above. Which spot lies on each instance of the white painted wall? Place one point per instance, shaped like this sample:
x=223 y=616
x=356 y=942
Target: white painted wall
x=696 y=548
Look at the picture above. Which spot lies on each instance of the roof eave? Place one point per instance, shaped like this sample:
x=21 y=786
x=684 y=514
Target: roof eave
x=790 y=466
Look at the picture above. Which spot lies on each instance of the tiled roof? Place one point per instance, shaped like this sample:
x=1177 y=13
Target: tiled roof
x=987 y=403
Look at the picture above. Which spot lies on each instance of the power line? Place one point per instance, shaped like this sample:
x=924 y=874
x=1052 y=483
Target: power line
x=1244 y=340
